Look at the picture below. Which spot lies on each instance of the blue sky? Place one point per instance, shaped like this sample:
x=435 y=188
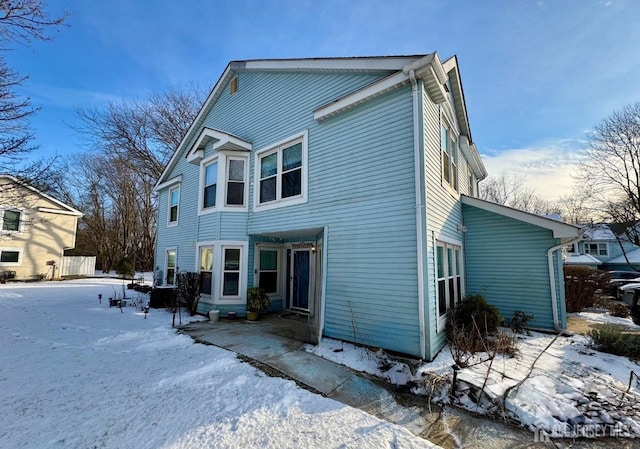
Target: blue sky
x=537 y=75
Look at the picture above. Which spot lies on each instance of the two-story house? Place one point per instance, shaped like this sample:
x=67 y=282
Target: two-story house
x=346 y=187
x=35 y=230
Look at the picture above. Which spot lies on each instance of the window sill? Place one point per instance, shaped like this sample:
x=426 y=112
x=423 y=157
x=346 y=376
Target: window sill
x=279 y=204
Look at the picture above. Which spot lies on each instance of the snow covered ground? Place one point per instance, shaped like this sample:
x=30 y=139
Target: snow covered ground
x=569 y=391
x=75 y=373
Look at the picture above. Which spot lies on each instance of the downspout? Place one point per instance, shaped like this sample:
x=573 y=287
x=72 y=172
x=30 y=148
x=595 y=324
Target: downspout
x=419 y=206
x=552 y=281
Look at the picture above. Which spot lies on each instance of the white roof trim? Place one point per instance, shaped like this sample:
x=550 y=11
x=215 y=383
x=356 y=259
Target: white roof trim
x=559 y=229
x=222 y=141
x=70 y=210
x=58 y=211
x=172 y=181
x=361 y=95
x=383 y=63
x=582 y=259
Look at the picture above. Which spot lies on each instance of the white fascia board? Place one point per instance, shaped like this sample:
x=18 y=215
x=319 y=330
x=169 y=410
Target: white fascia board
x=48 y=210
x=170 y=182
x=223 y=141
x=204 y=110
x=559 y=229
x=361 y=95
x=364 y=64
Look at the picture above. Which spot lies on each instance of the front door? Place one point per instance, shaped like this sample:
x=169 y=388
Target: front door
x=300 y=285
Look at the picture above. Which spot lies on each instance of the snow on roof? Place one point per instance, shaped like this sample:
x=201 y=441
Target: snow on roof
x=582 y=259
x=633 y=256
x=598 y=231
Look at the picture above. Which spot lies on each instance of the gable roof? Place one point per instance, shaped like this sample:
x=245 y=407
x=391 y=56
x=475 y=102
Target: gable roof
x=598 y=231
x=396 y=70
x=64 y=209
x=559 y=229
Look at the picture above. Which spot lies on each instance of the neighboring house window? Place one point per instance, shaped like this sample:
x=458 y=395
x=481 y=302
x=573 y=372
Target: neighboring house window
x=11 y=220
x=268 y=270
x=231 y=271
x=171 y=258
x=571 y=248
x=449 y=149
x=210 y=185
x=174 y=201
x=10 y=256
x=206 y=269
x=281 y=174
x=449 y=271
x=235 y=182
x=596 y=249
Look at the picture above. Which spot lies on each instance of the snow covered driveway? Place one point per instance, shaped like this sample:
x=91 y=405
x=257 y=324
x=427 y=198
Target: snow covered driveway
x=76 y=374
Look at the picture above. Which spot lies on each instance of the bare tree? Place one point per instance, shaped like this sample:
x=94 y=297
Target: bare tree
x=611 y=169
x=511 y=191
x=130 y=144
x=21 y=21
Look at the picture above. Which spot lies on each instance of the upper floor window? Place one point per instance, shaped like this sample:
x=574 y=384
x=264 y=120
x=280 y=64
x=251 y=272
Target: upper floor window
x=223 y=181
x=281 y=173
x=11 y=220
x=235 y=182
x=210 y=185
x=596 y=249
x=472 y=182
x=449 y=149
x=174 y=201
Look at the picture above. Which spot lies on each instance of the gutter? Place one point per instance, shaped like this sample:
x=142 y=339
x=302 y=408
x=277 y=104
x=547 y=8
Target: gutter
x=419 y=206
x=552 y=280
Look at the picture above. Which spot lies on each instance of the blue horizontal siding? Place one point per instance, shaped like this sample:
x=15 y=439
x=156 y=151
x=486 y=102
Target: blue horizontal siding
x=506 y=261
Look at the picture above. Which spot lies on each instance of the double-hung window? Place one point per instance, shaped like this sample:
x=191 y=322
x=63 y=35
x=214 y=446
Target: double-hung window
x=281 y=173
x=268 y=270
x=235 y=181
x=11 y=220
x=449 y=149
x=174 y=202
x=449 y=278
x=231 y=271
x=209 y=189
x=206 y=269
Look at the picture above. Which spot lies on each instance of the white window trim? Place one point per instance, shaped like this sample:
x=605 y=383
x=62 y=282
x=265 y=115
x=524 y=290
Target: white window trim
x=203 y=164
x=222 y=158
x=277 y=147
x=456 y=137
x=228 y=156
x=23 y=216
x=218 y=269
x=207 y=244
x=171 y=224
x=280 y=268
x=446 y=242
x=12 y=264
x=166 y=266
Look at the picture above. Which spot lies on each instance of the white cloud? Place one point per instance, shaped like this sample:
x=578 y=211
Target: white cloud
x=548 y=167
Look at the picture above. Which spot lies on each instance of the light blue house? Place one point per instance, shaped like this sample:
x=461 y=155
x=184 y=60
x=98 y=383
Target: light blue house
x=346 y=187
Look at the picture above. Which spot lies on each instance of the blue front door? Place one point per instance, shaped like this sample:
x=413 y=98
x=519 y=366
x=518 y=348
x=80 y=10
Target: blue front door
x=300 y=279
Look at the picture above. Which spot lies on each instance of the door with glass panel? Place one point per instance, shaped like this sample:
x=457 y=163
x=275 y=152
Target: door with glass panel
x=206 y=270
